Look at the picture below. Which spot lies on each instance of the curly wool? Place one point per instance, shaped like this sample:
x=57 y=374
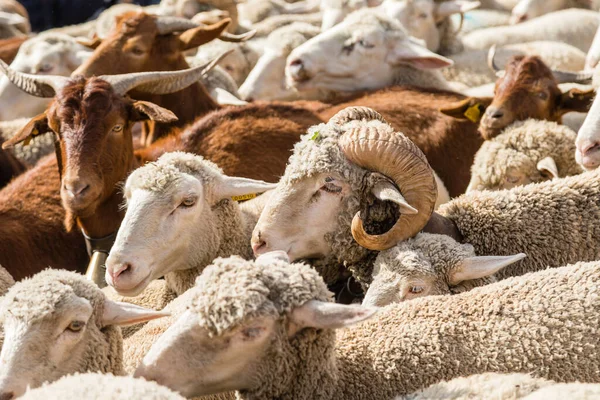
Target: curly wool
x=518 y=149
x=101 y=387
x=555 y=223
x=561 y=391
x=45 y=293
x=483 y=386
x=39 y=146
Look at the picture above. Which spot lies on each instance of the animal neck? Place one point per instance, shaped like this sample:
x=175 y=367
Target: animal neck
x=233 y=235
x=407 y=75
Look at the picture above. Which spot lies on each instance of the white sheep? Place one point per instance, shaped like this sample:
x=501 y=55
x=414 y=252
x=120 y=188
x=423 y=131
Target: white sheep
x=268 y=330
x=101 y=387
x=576 y=27
x=269 y=25
x=47 y=53
x=38 y=147
x=181 y=214
x=529 y=9
x=480 y=19
x=58 y=323
x=238 y=63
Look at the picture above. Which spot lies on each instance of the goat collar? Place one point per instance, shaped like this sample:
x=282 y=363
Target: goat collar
x=98 y=249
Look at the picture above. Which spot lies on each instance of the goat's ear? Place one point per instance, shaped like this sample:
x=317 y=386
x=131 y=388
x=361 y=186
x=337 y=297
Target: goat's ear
x=195 y=37
x=123 y=314
x=92 y=43
x=144 y=110
x=480 y=267
x=38 y=125
x=576 y=100
x=325 y=315
x=413 y=52
x=471 y=108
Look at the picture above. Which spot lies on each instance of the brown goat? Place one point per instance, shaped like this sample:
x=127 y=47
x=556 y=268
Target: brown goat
x=527 y=89
x=143 y=42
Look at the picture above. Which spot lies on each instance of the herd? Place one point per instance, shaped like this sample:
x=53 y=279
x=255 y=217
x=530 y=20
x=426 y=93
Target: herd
x=319 y=199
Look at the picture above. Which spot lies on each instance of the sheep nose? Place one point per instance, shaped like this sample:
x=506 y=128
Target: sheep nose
x=297 y=70
x=494 y=112
x=7 y=396
x=118 y=274
x=259 y=245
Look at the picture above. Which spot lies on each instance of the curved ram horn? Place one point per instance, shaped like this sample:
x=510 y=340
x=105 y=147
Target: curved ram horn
x=491 y=62
x=355 y=114
x=35 y=85
x=390 y=153
x=160 y=82
x=574 y=77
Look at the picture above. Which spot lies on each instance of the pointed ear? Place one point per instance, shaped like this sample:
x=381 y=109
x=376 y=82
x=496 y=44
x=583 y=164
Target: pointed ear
x=325 y=315
x=195 y=37
x=92 y=43
x=576 y=100
x=447 y=8
x=548 y=167
x=408 y=51
x=123 y=314
x=144 y=110
x=38 y=125
x=241 y=188
x=480 y=267
x=471 y=108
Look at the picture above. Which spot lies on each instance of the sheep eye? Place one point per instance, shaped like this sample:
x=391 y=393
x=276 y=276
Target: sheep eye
x=512 y=179
x=117 y=128
x=76 y=326
x=416 y=289
x=366 y=44
x=188 y=202
x=45 y=68
x=331 y=187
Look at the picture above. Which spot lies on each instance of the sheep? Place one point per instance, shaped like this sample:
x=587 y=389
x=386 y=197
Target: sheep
x=529 y=9
x=525 y=152
x=429 y=265
x=483 y=386
x=267 y=330
x=375 y=52
x=238 y=63
x=101 y=387
x=576 y=27
x=470 y=66
x=254 y=11
x=58 y=323
x=480 y=19
x=47 y=53
x=266 y=81
x=37 y=148
x=339 y=201
x=269 y=25
x=207 y=222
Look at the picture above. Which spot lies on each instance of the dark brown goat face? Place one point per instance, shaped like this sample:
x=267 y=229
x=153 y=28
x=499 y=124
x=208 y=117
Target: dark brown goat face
x=136 y=45
x=527 y=89
x=92 y=125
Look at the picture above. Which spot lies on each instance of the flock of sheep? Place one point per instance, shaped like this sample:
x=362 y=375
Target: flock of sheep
x=350 y=199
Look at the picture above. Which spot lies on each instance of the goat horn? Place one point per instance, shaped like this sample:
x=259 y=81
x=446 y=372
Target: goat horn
x=491 y=62
x=228 y=37
x=166 y=25
x=35 y=85
x=575 y=77
x=395 y=156
x=160 y=82
x=355 y=114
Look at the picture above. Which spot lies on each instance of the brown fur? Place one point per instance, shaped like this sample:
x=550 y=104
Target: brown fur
x=9 y=167
x=32 y=236
x=137 y=32
x=10 y=47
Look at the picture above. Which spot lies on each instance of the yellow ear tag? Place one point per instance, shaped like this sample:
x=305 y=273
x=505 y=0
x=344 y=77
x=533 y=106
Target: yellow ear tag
x=473 y=113
x=27 y=141
x=243 y=197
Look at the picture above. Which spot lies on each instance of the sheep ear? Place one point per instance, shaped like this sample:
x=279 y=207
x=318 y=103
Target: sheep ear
x=272 y=256
x=325 y=315
x=123 y=314
x=38 y=125
x=410 y=52
x=144 y=110
x=448 y=8
x=480 y=267
x=576 y=100
x=471 y=108
x=241 y=188
x=548 y=166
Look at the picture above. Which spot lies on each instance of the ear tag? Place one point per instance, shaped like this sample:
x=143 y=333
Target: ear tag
x=473 y=113
x=243 y=197
x=27 y=141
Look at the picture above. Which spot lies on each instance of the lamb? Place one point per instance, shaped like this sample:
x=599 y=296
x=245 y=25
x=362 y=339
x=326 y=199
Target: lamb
x=429 y=265
x=205 y=222
x=266 y=81
x=526 y=152
x=576 y=27
x=238 y=63
x=58 y=323
x=359 y=187
x=101 y=387
x=275 y=325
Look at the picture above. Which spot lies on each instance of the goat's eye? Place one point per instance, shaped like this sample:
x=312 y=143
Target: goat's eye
x=188 y=202
x=138 y=51
x=76 y=326
x=365 y=44
x=512 y=179
x=542 y=95
x=416 y=289
x=117 y=128
x=330 y=187
x=45 y=68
